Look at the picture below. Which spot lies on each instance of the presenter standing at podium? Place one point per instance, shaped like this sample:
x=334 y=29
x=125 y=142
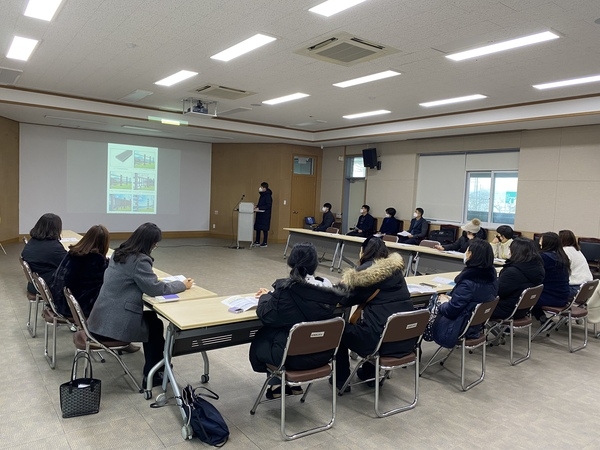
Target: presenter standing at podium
x=262 y=222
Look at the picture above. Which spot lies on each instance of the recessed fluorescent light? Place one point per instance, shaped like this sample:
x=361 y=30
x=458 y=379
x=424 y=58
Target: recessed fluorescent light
x=42 y=9
x=331 y=7
x=368 y=78
x=176 y=78
x=70 y=119
x=258 y=40
x=506 y=45
x=131 y=127
x=21 y=48
x=466 y=98
x=167 y=121
x=367 y=114
x=285 y=98
x=572 y=82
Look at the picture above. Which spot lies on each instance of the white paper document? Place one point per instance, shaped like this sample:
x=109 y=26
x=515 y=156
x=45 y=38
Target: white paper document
x=69 y=240
x=442 y=280
x=238 y=302
x=404 y=233
x=174 y=278
x=420 y=289
x=453 y=252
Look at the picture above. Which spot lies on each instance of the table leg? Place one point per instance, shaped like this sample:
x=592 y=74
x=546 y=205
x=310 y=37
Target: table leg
x=335 y=254
x=287 y=244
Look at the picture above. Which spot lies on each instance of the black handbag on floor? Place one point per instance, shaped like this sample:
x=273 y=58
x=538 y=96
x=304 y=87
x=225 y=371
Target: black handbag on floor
x=80 y=396
x=206 y=420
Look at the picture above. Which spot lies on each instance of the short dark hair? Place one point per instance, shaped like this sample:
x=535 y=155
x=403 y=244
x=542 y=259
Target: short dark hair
x=421 y=210
x=142 y=241
x=48 y=227
x=391 y=211
x=96 y=240
x=506 y=231
x=482 y=255
x=367 y=207
x=303 y=260
x=264 y=184
x=551 y=243
x=327 y=205
x=568 y=239
x=373 y=248
x=524 y=250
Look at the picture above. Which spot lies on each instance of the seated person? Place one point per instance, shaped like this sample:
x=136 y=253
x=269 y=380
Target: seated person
x=476 y=283
x=556 y=279
x=44 y=252
x=328 y=218
x=471 y=230
x=118 y=313
x=524 y=269
x=82 y=271
x=378 y=286
x=301 y=297
x=364 y=225
x=580 y=269
x=390 y=224
x=417 y=231
x=502 y=241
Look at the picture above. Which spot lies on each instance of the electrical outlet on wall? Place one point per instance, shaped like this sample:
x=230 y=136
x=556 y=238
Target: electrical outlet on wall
x=214 y=226
x=285 y=202
x=216 y=212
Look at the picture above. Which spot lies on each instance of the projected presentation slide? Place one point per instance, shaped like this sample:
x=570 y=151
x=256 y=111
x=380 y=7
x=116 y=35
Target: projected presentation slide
x=131 y=185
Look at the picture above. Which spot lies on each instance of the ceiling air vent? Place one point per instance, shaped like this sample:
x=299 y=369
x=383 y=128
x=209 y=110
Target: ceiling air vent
x=9 y=76
x=223 y=92
x=346 y=50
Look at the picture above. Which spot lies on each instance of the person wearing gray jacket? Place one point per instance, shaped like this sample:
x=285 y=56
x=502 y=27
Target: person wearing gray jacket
x=118 y=313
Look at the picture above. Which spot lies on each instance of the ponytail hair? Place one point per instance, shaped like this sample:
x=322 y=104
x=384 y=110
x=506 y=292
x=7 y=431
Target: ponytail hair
x=302 y=260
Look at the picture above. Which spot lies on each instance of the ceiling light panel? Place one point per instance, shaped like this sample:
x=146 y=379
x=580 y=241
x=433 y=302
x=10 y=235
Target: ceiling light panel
x=42 y=9
x=466 y=98
x=256 y=41
x=506 y=45
x=367 y=114
x=286 y=98
x=368 y=78
x=572 y=82
x=331 y=7
x=21 y=48
x=176 y=78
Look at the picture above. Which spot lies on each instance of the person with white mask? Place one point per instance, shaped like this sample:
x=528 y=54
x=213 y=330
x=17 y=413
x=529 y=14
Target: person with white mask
x=417 y=231
x=328 y=218
x=262 y=222
x=390 y=224
x=364 y=224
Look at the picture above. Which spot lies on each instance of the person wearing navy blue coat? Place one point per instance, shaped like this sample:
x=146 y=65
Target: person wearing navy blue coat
x=364 y=224
x=476 y=283
x=262 y=222
x=390 y=224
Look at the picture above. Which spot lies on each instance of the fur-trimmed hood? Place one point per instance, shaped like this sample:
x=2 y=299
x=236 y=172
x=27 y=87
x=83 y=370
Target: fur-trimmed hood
x=373 y=273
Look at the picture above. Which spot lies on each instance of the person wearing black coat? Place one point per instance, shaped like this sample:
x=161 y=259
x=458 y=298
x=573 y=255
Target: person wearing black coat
x=44 y=252
x=262 y=221
x=300 y=298
x=328 y=218
x=82 y=271
x=364 y=224
x=378 y=284
x=476 y=283
x=390 y=225
x=417 y=229
x=471 y=230
x=523 y=270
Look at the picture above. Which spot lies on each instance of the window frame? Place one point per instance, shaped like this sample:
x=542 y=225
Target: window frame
x=490 y=213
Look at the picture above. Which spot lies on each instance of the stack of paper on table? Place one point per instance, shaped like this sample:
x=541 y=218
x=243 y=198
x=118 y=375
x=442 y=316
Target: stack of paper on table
x=239 y=302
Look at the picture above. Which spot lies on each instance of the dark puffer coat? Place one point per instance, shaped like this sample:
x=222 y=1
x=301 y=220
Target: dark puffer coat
x=473 y=286
x=513 y=280
x=386 y=275
x=265 y=204
x=289 y=303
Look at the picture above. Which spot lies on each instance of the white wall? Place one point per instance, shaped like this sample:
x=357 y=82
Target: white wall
x=64 y=171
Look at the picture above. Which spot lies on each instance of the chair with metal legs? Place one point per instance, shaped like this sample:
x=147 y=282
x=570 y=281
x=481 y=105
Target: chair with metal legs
x=34 y=299
x=424 y=243
x=306 y=338
x=479 y=317
x=52 y=318
x=399 y=327
x=85 y=342
x=576 y=309
x=528 y=299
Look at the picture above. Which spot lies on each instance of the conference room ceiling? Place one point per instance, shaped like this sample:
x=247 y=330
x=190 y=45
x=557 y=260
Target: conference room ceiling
x=94 y=53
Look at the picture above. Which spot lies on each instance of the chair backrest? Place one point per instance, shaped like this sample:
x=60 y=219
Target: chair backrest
x=26 y=270
x=76 y=311
x=428 y=243
x=333 y=230
x=314 y=337
x=586 y=290
x=529 y=297
x=480 y=315
x=42 y=288
x=404 y=325
x=390 y=238
x=375 y=226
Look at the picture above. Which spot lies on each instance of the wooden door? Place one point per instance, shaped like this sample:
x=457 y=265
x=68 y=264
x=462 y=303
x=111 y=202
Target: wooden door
x=304 y=192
